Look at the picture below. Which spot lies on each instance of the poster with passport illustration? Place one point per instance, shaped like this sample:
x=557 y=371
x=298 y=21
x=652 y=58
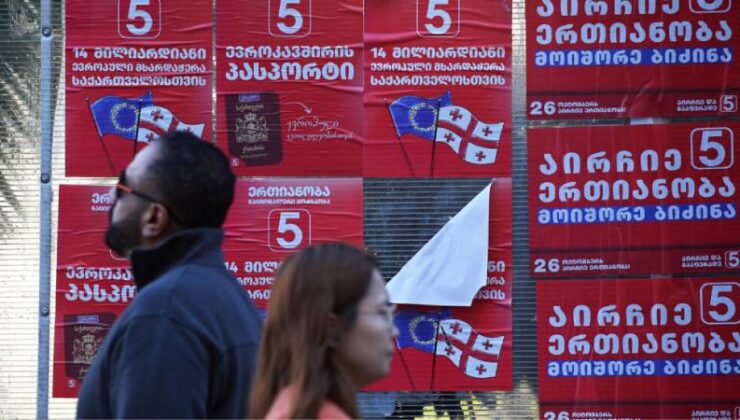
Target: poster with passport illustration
x=289 y=86
x=93 y=285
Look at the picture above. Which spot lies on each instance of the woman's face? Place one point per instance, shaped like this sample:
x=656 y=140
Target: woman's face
x=367 y=348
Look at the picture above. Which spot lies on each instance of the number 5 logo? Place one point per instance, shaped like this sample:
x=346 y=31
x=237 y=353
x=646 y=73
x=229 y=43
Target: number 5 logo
x=288 y=229
x=719 y=303
x=728 y=103
x=141 y=19
x=289 y=18
x=712 y=148
x=732 y=259
x=439 y=18
x=710 y=6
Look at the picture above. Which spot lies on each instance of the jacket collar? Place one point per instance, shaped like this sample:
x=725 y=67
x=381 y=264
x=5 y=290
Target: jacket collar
x=199 y=245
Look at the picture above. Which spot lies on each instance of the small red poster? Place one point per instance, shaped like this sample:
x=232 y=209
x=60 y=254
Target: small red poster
x=462 y=348
x=626 y=59
x=134 y=71
x=438 y=88
x=639 y=340
x=641 y=199
x=92 y=285
x=271 y=218
x=289 y=95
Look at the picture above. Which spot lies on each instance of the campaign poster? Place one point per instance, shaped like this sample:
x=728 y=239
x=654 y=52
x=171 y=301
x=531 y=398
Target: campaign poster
x=93 y=286
x=289 y=86
x=626 y=59
x=640 y=199
x=639 y=340
x=272 y=218
x=462 y=348
x=134 y=71
x=269 y=219
x=438 y=88
x=617 y=411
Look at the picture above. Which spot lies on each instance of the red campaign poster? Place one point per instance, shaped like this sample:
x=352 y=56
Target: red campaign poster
x=697 y=411
x=438 y=88
x=134 y=71
x=271 y=218
x=268 y=220
x=92 y=285
x=641 y=199
x=643 y=58
x=639 y=340
x=289 y=86
x=477 y=354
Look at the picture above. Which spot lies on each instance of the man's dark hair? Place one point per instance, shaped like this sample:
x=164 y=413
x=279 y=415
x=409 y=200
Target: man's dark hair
x=193 y=179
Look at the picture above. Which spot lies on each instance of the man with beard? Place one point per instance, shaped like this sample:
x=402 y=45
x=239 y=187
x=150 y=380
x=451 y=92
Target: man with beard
x=186 y=346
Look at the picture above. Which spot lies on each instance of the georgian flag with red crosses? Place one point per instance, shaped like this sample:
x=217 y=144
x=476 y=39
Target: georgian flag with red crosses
x=437 y=332
x=473 y=140
x=155 y=121
x=475 y=354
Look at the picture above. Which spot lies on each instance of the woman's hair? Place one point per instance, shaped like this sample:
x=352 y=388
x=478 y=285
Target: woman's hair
x=314 y=301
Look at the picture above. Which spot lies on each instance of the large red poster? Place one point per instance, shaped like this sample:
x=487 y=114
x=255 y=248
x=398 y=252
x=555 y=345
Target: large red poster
x=289 y=86
x=92 y=285
x=462 y=348
x=646 y=58
x=634 y=199
x=437 y=88
x=639 y=340
x=135 y=69
x=271 y=218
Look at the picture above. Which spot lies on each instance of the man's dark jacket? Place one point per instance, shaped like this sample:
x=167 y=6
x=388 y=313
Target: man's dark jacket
x=186 y=345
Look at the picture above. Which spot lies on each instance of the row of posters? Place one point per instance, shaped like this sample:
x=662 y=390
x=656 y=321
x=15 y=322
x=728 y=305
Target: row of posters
x=301 y=89
x=269 y=219
x=379 y=89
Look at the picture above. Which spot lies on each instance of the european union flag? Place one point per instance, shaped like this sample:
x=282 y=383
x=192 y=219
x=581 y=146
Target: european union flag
x=418 y=329
x=417 y=115
x=118 y=115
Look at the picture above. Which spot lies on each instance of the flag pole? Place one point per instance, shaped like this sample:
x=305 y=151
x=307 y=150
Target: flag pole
x=138 y=121
x=100 y=139
x=434 y=139
x=405 y=366
x=398 y=136
x=434 y=354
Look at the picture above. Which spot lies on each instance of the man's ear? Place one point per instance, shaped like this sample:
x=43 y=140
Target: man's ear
x=155 y=221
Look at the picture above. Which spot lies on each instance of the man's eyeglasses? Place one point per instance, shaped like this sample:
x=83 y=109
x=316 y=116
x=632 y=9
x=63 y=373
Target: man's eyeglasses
x=122 y=187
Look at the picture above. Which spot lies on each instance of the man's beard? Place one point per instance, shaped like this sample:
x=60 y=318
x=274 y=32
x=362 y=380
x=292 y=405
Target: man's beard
x=123 y=236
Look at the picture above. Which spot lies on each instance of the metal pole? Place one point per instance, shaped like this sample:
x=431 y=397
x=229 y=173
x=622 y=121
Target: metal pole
x=42 y=388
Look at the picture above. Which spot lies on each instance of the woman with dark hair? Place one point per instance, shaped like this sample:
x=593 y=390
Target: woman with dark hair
x=329 y=332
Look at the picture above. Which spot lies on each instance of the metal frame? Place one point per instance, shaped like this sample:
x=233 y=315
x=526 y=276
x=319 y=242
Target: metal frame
x=42 y=389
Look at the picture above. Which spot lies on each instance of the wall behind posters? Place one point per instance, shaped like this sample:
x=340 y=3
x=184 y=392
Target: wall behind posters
x=384 y=221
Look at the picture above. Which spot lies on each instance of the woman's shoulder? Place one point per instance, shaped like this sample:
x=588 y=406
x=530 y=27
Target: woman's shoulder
x=329 y=410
